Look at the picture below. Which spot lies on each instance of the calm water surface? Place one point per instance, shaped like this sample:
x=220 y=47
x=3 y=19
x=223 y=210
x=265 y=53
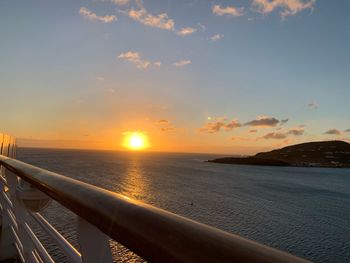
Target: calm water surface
x=305 y=211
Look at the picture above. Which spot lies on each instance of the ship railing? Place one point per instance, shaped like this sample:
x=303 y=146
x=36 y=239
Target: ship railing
x=152 y=233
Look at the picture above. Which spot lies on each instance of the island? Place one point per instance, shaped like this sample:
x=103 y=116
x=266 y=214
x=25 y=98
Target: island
x=310 y=154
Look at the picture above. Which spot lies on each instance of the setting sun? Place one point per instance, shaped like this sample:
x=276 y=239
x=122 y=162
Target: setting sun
x=136 y=141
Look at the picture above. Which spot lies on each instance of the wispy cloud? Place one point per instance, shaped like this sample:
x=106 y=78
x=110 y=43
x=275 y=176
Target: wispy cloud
x=163 y=121
x=263 y=121
x=228 y=10
x=218 y=124
x=182 y=63
x=100 y=78
x=212 y=127
x=232 y=125
x=111 y=90
x=286 y=7
x=157 y=63
x=275 y=136
x=141 y=15
x=296 y=131
x=284 y=121
x=167 y=129
x=216 y=37
x=135 y=58
x=333 y=132
x=120 y=2
x=185 y=31
x=283 y=135
x=165 y=125
x=313 y=105
x=93 y=17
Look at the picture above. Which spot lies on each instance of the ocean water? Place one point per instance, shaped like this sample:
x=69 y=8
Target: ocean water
x=304 y=211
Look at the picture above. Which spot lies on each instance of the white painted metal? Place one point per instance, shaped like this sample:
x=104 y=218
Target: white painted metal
x=66 y=247
x=18 y=239
x=37 y=256
x=12 y=218
x=34 y=258
x=19 y=213
x=94 y=244
x=3 y=180
x=20 y=254
x=39 y=247
x=7 y=200
x=27 y=246
x=7 y=250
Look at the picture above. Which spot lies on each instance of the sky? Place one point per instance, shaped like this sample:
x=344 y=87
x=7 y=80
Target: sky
x=227 y=76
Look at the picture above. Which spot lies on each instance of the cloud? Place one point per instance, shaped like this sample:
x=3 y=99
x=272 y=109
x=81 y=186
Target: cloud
x=100 y=78
x=141 y=15
x=120 y=2
x=167 y=129
x=263 y=121
x=157 y=64
x=284 y=121
x=135 y=58
x=313 y=105
x=93 y=17
x=185 y=31
x=212 y=127
x=163 y=121
x=298 y=131
x=111 y=90
x=161 y=20
x=275 y=136
x=286 y=7
x=216 y=126
x=216 y=37
x=231 y=125
x=182 y=63
x=229 y=11
x=165 y=125
x=333 y=132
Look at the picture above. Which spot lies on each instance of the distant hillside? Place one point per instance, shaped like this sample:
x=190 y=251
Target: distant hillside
x=311 y=154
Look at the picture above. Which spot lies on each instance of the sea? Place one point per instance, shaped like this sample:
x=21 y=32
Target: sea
x=303 y=211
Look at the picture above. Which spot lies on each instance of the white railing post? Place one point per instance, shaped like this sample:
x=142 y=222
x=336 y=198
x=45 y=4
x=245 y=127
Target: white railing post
x=94 y=244
x=7 y=248
x=20 y=213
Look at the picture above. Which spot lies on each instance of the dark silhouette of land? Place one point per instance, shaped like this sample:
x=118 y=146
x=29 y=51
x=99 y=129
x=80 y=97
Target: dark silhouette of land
x=310 y=154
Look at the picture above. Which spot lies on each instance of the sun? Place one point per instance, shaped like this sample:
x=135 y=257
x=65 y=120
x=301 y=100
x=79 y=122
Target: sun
x=136 y=141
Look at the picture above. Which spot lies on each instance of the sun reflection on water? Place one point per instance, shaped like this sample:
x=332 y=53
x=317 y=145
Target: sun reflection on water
x=135 y=185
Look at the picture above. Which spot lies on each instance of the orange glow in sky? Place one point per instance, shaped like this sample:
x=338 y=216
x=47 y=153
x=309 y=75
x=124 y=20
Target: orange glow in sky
x=233 y=95
x=136 y=141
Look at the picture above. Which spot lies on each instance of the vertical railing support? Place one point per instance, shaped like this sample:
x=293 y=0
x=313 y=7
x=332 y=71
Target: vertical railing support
x=7 y=247
x=20 y=213
x=94 y=244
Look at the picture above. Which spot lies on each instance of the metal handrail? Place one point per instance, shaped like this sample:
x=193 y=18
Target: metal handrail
x=152 y=233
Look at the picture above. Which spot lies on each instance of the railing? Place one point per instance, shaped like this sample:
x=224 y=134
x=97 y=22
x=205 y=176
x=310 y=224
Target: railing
x=154 y=234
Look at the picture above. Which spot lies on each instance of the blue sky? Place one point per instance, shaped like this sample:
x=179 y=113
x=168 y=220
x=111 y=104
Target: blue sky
x=82 y=73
